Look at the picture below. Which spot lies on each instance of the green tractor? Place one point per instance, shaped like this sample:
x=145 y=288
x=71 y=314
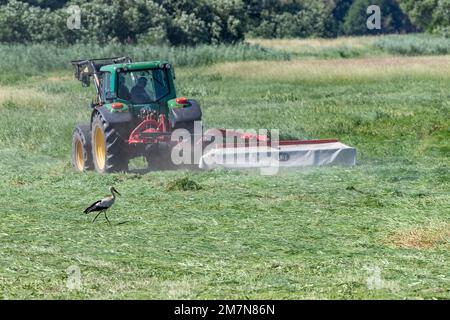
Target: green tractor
x=134 y=112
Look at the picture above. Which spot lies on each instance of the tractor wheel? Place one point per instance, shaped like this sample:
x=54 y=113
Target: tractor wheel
x=108 y=149
x=158 y=158
x=81 y=148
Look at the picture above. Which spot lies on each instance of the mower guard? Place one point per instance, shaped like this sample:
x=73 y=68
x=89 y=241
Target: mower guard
x=287 y=154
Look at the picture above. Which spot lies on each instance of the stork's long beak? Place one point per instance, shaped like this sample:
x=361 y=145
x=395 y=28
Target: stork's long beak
x=115 y=190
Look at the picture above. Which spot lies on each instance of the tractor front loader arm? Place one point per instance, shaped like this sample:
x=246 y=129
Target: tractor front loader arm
x=87 y=68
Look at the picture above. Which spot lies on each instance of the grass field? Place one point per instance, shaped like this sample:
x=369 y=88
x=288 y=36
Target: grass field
x=378 y=230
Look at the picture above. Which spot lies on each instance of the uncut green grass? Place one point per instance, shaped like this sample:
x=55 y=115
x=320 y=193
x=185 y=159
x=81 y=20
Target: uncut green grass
x=360 y=47
x=312 y=233
x=22 y=61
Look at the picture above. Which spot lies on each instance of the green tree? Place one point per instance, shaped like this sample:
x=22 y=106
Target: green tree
x=340 y=8
x=205 y=21
x=429 y=15
x=420 y=12
x=227 y=22
x=392 y=18
x=51 y=4
x=290 y=18
x=13 y=22
x=441 y=18
x=22 y=23
x=187 y=29
x=145 y=21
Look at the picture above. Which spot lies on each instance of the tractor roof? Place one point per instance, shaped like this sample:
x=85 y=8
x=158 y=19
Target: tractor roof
x=133 y=65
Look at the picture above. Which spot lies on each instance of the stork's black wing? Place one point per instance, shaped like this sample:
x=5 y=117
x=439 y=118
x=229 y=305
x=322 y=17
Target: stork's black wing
x=93 y=207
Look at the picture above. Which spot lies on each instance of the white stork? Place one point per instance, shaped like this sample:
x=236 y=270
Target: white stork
x=103 y=204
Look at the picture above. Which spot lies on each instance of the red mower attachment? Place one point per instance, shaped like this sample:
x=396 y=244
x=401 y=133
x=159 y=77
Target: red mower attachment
x=152 y=129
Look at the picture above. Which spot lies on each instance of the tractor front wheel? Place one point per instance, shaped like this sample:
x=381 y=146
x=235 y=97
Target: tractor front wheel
x=81 y=148
x=108 y=149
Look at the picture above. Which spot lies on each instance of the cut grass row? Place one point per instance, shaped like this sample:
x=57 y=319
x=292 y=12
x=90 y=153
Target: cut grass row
x=304 y=234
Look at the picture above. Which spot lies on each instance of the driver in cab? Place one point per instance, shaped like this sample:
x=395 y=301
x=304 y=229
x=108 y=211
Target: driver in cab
x=138 y=93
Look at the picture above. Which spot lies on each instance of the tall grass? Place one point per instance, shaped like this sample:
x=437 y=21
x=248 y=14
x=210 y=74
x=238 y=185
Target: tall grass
x=19 y=60
x=346 y=47
x=413 y=45
x=344 y=71
x=355 y=47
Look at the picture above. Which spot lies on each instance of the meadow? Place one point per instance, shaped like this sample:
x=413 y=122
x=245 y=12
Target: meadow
x=378 y=230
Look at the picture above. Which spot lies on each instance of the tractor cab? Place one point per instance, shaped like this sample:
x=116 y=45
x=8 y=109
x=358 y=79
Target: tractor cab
x=136 y=86
x=119 y=80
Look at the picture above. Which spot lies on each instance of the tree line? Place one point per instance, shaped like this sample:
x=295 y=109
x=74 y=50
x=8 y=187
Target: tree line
x=192 y=22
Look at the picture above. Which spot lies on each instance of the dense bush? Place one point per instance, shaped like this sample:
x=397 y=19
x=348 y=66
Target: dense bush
x=188 y=22
x=193 y=22
x=392 y=18
x=340 y=10
x=207 y=21
x=20 y=22
x=290 y=18
x=431 y=15
x=24 y=60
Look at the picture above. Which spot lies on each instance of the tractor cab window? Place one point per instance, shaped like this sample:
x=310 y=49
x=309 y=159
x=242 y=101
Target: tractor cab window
x=143 y=86
x=105 y=85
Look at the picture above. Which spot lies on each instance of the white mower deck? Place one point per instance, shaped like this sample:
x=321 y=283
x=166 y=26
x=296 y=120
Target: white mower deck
x=287 y=154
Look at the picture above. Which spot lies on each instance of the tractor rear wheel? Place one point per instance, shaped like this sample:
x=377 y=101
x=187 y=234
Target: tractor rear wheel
x=108 y=149
x=81 y=148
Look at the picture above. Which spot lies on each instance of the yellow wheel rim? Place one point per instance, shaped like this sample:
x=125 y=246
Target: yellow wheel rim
x=100 y=148
x=79 y=158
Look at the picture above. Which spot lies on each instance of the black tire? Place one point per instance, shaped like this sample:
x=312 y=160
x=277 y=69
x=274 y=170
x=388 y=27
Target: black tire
x=158 y=158
x=109 y=151
x=81 y=148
